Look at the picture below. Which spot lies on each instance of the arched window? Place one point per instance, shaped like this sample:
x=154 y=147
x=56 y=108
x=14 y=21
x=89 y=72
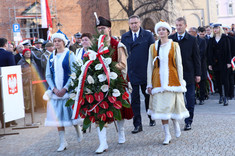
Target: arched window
x=230 y=8
x=217 y=9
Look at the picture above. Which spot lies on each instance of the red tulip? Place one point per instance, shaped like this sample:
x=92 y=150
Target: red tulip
x=112 y=99
x=104 y=105
x=92 y=119
x=117 y=105
x=103 y=117
x=125 y=96
x=89 y=98
x=96 y=109
x=99 y=96
x=109 y=114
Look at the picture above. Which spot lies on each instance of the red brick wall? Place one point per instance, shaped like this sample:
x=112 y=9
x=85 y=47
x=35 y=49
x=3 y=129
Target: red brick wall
x=74 y=15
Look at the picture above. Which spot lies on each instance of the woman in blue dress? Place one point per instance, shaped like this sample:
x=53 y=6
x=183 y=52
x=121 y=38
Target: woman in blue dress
x=58 y=71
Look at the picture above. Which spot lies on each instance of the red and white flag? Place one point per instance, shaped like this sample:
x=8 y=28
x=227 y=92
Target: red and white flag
x=45 y=14
x=49 y=33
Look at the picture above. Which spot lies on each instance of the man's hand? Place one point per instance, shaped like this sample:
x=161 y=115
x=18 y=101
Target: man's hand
x=229 y=65
x=210 y=67
x=149 y=90
x=197 y=79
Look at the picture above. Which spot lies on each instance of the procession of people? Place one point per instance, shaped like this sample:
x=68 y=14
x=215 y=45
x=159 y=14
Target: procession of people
x=173 y=71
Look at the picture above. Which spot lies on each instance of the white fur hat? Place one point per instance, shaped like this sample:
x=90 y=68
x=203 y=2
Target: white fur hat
x=60 y=36
x=162 y=24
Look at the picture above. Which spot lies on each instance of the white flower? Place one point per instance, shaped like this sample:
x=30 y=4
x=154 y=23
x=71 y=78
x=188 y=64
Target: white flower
x=71 y=83
x=107 y=61
x=104 y=88
x=92 y=56
x=80 y=62
x=51 y=60
x=72 y=96
x=73 y=76
x=102 y=77
x=88 y=91
x=116 y=93
x=98 y=66
x=113 y=75
x=90 y=79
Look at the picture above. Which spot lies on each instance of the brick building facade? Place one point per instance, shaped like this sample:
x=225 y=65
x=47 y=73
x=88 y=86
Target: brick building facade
x=73 y=15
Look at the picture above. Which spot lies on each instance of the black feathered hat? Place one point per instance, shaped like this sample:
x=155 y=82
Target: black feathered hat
x=103 y=22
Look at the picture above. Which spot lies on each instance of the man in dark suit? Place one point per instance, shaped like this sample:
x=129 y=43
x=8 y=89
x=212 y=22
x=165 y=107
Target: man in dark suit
x=19 y=55
x=137 y=42
x=6 y=59
x=202 y=47
x=191 y=65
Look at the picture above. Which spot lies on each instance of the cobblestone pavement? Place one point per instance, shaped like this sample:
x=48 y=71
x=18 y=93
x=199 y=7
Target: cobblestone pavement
x=212 y=134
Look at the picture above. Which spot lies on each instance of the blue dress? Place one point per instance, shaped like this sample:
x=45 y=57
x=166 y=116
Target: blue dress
x=58 y=73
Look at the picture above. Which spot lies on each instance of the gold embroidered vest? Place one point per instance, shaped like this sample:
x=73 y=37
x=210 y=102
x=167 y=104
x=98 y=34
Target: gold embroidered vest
x=173 y=74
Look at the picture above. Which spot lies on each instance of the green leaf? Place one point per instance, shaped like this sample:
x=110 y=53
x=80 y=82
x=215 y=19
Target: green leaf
x=125 y=104
x=70 y=102
x=117 y=114
x=101 y=124
x=86 y=123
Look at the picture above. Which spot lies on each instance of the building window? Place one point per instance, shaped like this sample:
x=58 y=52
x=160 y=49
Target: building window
x=217 y=9
x=230 y=9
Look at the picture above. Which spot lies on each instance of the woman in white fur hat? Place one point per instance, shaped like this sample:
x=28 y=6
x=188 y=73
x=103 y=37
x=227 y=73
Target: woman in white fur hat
x=58 y=71
x=165 y=81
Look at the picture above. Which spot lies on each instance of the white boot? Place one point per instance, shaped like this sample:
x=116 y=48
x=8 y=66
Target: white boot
x=103 y=142
x=121 y=133
x=78 y=130
x=177 y=128
x=63 y=142
x=167 y=134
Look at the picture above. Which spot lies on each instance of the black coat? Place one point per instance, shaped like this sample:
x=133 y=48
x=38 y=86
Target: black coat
x=190 y=57
x=138 y=55
x=6 y=58
x=219 y=54
x=202 y=47
x=17 y=58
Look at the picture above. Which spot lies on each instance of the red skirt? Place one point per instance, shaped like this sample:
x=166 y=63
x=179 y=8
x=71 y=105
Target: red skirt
x=127 y=113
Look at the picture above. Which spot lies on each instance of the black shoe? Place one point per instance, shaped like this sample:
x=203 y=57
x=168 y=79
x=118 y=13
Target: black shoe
x=201 y=102
x=137 y=129
x=225 y=101
x=221 y=100
x=187 y=127
x=8 y=124
x=152 y=123
x=13 y=123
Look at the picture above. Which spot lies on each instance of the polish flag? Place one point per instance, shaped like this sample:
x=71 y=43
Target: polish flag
x=46 y=14
x=49 y=33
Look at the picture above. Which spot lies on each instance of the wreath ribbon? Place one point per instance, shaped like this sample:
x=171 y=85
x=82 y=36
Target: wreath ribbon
x=101 y=50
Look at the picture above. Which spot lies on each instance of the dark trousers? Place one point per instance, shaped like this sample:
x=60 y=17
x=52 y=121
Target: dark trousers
x=231 y=84
x=135 y=103
x=190 y=102
x=202 y=85
x=222 y=79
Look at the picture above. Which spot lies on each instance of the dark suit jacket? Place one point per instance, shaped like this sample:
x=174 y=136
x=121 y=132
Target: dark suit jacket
x=202 y=47
x=17 y=58
x=6 y=58
x=138 y=55
x=190 y=57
